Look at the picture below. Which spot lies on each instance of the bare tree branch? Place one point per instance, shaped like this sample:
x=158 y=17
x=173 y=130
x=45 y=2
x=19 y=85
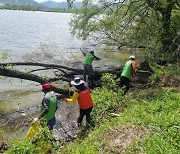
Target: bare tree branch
x=41 y=64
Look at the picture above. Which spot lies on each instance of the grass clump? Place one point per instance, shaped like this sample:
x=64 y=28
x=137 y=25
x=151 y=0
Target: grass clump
x=160 y=115
x=161 y=71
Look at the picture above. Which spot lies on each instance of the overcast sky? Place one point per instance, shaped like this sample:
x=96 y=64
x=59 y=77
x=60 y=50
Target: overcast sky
x=39 y=1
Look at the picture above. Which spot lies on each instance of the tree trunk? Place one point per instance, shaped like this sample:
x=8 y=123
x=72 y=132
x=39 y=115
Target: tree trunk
x=31 y=77
x=167 y=37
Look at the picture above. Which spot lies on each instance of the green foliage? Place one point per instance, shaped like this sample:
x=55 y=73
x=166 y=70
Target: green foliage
x=1 y=140
x=176 y=20
x=36 y=8
x=43 y=138
x=90 y=145
x=21 y=147
x=159 y=145
x=158 y=115
x=1 y=135
x=161 y=116
x=4 y=55
x=41 y=143
x=108 y=81
x=81 y=20
x=159 y=71
x=21 y=7
x=106 y=101
x=155 y=77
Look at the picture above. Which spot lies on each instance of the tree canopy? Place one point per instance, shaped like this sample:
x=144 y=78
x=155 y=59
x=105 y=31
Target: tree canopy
x=152 y=24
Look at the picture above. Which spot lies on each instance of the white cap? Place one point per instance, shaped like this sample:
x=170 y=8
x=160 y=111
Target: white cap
x=132 y=57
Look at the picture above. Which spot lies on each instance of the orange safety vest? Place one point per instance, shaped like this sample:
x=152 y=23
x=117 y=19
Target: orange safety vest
x=133 y=68
x=85 y=100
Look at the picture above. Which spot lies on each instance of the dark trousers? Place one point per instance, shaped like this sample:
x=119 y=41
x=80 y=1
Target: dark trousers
x=51 y=123
x=85 y=112
x=125 y=83
x=88 y=71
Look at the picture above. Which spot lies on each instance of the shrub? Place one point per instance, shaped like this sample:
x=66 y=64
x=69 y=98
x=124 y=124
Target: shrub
x=106 y=99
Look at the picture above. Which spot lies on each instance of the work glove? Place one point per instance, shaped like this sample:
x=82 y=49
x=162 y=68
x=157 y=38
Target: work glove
x=35 y=120
x=66 y=100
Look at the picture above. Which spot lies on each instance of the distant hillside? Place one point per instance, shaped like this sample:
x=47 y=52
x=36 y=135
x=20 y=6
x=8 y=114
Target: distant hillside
x=77 y=5
x=1 y=4
x=61 y=5
x=52 y=4
x=21 y=2
x=46 y=5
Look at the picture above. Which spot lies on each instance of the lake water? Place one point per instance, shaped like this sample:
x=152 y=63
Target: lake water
x=25 y=31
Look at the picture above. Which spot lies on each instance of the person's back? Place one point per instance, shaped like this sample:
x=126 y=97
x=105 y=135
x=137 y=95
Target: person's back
x=52 y=105
x=128 y=73
x=88 y=69
x=127 y=70
x=48 y=107
x=89 y=59
x=85 y=100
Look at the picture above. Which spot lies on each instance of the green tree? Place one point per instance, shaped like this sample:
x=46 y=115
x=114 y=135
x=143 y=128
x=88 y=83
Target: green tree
x=153 y=24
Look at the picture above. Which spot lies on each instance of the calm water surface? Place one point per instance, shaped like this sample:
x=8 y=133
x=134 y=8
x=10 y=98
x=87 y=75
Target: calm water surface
x=23 y=32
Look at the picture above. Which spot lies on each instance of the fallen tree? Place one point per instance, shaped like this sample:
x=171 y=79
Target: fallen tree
x=61 y=72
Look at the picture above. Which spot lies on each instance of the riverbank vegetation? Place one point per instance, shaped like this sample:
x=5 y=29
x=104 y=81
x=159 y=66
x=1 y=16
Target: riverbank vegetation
x=143 y=121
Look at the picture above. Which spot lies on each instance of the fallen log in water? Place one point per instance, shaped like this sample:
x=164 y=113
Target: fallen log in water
x=63 y=73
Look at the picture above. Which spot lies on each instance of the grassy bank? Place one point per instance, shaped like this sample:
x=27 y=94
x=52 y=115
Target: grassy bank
x=146 y=121
x=154 y=125
x=143 y=121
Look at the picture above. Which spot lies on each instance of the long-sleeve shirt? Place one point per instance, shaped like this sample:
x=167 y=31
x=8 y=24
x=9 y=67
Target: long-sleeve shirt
x=45 y=104
x=49 y=100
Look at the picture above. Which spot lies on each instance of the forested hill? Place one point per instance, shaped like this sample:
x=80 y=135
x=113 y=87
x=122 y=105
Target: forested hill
x=21 y=2
x=61 y=5
x=47 y=4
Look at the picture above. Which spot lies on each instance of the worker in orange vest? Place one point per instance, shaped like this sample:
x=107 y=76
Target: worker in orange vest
x=83 y=96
